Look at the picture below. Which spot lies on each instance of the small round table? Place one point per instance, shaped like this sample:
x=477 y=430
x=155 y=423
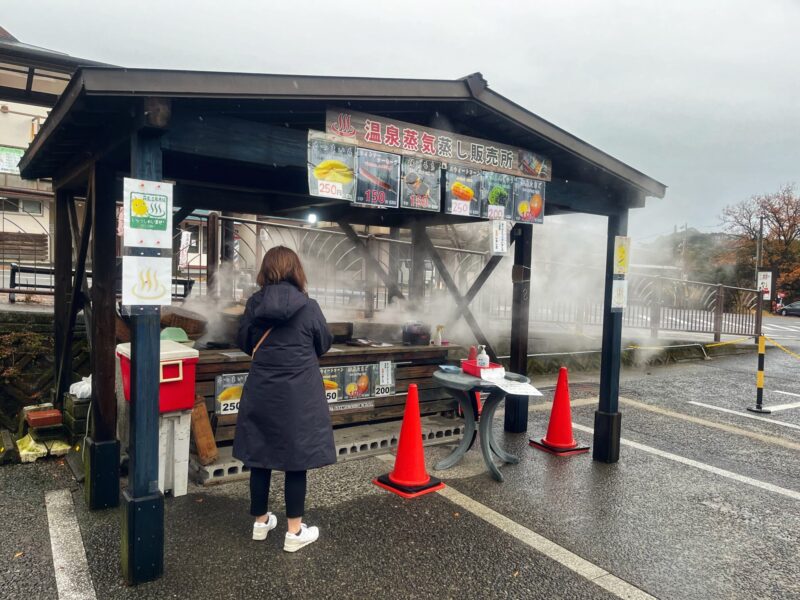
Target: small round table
x=463 y=388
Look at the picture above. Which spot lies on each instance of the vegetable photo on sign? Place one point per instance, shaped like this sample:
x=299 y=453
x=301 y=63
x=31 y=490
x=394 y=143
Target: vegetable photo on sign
x=528 y=200
x=378 y=179
x=462 y=193
x=496 y=195
x=421 y=184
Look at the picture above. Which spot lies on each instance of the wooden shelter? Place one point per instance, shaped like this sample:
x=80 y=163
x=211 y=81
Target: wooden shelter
x=239 y=143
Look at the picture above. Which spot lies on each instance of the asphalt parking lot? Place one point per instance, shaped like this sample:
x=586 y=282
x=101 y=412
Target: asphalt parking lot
x=703 y=504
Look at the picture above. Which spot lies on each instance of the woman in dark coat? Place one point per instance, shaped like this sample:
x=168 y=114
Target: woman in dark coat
x=283 y=422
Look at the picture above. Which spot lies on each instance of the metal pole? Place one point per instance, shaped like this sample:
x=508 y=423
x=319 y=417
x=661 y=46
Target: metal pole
x=759 y=246
x=758 y=408
x=607 y=419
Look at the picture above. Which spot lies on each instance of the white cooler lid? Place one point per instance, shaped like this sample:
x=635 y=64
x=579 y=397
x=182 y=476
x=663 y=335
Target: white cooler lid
x=170 y=350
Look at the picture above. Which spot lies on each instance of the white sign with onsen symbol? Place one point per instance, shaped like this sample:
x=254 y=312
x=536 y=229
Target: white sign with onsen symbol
x=146 y=281
x=147 y=214
x=619 y=295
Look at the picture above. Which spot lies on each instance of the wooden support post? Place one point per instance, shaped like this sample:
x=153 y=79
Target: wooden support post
x=103 y=294
x=607 y=419
x=62 y=258
x=426 y=247
x=416 y=280
x=228 y=239
x=369 y=277
x=101 y=456
x=143 y=503
x=516 y=415
x=212 y=253
x=394 y=261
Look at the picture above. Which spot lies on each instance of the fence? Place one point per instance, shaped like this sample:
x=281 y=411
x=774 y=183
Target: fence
x=341 y=278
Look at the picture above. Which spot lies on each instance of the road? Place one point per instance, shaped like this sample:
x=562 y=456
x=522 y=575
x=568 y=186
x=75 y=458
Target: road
x=702 y=505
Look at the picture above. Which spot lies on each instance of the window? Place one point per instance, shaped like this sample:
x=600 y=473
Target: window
x=20 y=205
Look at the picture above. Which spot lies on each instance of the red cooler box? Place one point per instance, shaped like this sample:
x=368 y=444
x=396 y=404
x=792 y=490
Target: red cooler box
x=175 y=374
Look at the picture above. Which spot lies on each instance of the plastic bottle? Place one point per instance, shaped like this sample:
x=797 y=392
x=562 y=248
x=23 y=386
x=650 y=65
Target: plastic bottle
x=483 y=358
x=473 y=353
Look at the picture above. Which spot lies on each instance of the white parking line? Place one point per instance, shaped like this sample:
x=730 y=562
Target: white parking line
x=704 y=467
x=69 y=556
x=748 y=415
x=597 y=575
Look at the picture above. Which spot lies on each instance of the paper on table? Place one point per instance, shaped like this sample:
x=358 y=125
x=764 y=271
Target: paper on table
x=516 y=388
x=234 y=354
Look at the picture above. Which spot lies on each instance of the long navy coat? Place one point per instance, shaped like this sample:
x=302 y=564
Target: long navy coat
x=284 y=423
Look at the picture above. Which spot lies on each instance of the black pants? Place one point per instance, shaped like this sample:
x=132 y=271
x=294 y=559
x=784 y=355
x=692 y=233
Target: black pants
x=294 y=492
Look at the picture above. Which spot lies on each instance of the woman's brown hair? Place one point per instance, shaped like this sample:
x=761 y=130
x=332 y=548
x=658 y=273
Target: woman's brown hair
x=282 y=264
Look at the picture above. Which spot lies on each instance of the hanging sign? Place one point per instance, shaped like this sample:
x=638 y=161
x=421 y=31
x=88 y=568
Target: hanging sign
x=421 y=185
x=496 y=195
x=765 y=284
x=9 y=159
x=147 y=214
x=331 y=166
x=462 y=191
x=501 y=230
x=408 y=139
x=528 y=200
x=619 y=295
x=146 y=280
x=378 y=179
x=622 y=254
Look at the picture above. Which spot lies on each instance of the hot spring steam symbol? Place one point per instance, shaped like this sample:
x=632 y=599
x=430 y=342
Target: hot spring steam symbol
x=148 y=287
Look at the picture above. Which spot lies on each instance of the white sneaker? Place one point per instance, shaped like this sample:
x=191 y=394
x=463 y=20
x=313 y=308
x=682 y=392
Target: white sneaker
x=294 y=541
x=260 y=530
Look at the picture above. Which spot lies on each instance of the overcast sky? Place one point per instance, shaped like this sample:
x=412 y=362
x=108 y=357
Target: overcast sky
x=701 y=95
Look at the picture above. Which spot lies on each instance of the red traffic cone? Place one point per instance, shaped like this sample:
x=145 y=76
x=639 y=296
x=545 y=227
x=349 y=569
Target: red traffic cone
x=409 y=478
x=559 y=439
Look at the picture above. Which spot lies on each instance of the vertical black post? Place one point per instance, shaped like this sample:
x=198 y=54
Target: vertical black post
x=62 y=258
x=212 y=253
x=101 y=454
x=607 y=419
x=143 y=503
x=516 y=415
x=416 y=280
x=394 y=262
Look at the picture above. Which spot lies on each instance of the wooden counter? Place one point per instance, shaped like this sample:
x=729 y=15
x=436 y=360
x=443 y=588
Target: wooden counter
x=414 y=364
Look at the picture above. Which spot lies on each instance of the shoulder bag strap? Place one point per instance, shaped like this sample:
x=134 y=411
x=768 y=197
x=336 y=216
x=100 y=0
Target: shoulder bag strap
x=261 y=341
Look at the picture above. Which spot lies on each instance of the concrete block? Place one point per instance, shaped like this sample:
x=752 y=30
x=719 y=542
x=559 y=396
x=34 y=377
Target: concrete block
x=223 y=470
x=77 y=407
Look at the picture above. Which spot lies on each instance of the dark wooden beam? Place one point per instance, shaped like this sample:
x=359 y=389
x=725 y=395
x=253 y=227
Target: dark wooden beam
x=103 y=294
x=238 y=140
x=62 y=258
x=212 y=253
x=362 y=248
x=576 y=196
x=424 y=240
x=75 y=300
x=476 y=286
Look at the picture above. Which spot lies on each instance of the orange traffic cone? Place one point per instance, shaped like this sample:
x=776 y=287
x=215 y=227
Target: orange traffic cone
x=409 y=478
x=559 y=439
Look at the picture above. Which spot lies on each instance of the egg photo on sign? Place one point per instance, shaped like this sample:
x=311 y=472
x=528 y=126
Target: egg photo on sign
x=528 y=200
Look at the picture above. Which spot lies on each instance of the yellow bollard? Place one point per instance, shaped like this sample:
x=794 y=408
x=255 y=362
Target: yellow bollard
x=762 y=349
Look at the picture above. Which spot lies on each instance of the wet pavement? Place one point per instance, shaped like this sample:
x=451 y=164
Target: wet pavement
x=703 y=504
